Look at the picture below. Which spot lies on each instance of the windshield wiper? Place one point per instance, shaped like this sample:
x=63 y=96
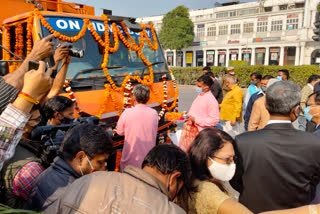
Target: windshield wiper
x=155 y=63
x=86 y=71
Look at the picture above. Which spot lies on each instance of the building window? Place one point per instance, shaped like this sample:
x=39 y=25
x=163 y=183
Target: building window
x=248 y=27
x=299 y=5
x=292 y=23
x=262 y=26
x=211 y=31
x=233 y=13
x=200 y=31
x=222 y=15
x=268 y=9
x=235 y=29
x=249 y=11
x=276 y=25
x=223 y=30
x=283 y=7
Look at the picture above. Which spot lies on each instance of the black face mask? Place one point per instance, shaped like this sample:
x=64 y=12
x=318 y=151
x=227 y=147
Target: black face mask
x=66 y=120
x=176 y=193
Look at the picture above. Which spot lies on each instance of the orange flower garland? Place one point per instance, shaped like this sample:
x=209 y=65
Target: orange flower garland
x=171 y=116
x=19 y=40
x=154 y=38
x=117 y=35
x=58 y=35
x=29 y=34
x=6 y=54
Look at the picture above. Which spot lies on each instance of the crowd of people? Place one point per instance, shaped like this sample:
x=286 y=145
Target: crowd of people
x=268 y=163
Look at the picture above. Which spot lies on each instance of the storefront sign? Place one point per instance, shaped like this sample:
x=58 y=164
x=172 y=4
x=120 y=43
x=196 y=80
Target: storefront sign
x=262 y=19
x=203 y=43
x=246 y=51
x=195 y=43
x=233 y=41
x=210 y=52
x=189 y=58
x=274 y=50
x=267 y=39
x=292 y=16
x=221 y=52
x=234 y=51
x=260 y=50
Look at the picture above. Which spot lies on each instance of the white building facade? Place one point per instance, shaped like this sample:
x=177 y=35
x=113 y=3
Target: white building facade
x=270 y=32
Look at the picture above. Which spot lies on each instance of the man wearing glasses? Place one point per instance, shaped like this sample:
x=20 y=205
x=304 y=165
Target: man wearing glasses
x=20 y=172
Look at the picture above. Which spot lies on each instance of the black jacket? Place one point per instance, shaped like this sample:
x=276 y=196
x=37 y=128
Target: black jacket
x=317 y=131
x=279 y=167
x=51 y=184
x=217 y=91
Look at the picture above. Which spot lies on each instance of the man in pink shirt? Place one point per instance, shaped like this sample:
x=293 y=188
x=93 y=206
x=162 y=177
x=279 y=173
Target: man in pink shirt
x=139 y=126
x=204 y=111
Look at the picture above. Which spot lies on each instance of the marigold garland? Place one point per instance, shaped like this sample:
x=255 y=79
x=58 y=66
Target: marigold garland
x=29 y=34
x=6 y=54
x=129 y=43
x=60 y=36
x=19 y=40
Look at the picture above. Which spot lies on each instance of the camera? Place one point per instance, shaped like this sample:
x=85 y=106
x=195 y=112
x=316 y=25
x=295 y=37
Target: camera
x=75 y=52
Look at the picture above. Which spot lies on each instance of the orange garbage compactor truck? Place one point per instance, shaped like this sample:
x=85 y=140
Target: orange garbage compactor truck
x=116 y=54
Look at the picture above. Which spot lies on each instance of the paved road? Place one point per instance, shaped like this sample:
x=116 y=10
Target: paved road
x=186 y=96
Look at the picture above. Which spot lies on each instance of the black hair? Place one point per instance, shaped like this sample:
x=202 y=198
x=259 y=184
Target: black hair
x=206 y=80
x=207 y=68
x=168 y=158
x=89 y=138
x=267 y=77
x=257 y=75
x=205 y=145
x=285 y=71
x=313 y=77
x=316 y=87
x=55 y=104
x=210 y=74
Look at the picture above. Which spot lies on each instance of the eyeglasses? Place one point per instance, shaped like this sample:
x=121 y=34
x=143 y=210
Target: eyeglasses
x=228 y=160
x=38 y=119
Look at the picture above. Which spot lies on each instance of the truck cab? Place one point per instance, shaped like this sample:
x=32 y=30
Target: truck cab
x=118 y=53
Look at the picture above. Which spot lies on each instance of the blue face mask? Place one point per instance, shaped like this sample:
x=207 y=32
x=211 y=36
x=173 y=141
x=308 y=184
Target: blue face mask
x=199 y=90
x=307 y=115
x=254 y=82
x=279 y=78
x=66 y=120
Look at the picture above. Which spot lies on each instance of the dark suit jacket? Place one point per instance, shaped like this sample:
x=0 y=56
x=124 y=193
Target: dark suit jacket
x=216 y=90
x=317 y=131
x=280 y=167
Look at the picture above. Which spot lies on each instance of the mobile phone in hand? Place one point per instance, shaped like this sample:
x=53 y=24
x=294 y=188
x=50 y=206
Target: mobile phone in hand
x=35 y=66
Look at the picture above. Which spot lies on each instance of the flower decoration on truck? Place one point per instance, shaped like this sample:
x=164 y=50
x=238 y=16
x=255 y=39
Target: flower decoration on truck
x=110 y=88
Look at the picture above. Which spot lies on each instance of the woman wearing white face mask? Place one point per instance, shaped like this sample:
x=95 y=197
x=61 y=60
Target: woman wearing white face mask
x=212 y=159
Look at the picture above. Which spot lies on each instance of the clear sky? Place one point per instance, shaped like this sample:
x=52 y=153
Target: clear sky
x=142 y=8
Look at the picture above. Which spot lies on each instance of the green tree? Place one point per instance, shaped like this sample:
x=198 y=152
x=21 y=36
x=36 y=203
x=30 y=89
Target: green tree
x=177 y=29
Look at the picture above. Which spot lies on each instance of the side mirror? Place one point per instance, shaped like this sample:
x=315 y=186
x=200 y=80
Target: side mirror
x=4 y=68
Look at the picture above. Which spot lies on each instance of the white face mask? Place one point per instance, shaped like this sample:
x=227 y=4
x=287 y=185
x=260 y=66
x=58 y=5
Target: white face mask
x=222 y=172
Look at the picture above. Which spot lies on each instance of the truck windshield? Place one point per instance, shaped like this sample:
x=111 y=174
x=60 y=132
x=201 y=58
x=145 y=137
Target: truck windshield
x=126 y=62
